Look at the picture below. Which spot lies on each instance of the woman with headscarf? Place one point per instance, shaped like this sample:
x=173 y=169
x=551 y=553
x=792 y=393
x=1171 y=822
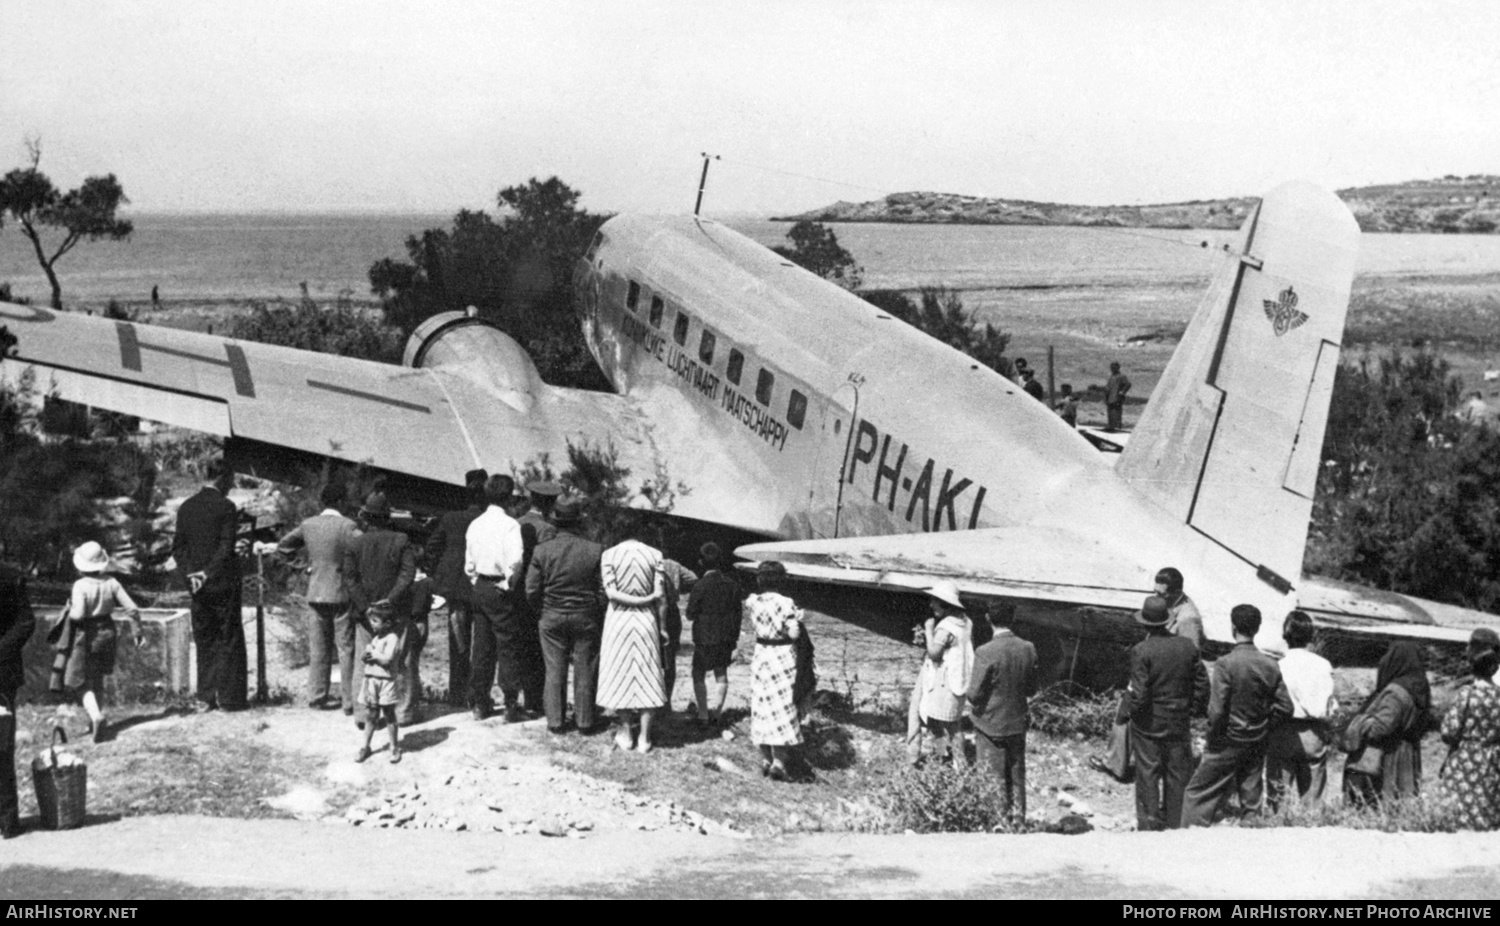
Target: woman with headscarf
x=1391 y=722
x=775 y=723
x=1471 y=728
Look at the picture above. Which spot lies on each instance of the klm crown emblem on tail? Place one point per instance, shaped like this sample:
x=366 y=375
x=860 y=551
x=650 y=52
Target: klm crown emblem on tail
x=1283 y=312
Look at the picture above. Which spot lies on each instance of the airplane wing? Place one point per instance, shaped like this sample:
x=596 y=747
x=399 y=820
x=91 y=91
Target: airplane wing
x=1054 y=564
x=430 y=423
x=1064 y=566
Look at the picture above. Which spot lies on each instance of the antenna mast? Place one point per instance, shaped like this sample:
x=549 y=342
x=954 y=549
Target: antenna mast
x=703 y=180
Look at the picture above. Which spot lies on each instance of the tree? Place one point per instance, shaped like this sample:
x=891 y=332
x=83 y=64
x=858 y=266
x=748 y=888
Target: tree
x=942 y=315
x=342 y=329
x=1409 y=493
x=516 y=270
x=86 y=212
x=815 y=247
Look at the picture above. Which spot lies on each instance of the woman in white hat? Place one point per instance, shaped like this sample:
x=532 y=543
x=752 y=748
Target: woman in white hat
x=948 y=661
x=85 y=635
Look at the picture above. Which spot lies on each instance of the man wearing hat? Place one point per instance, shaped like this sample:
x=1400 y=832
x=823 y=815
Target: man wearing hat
x=1167 y=685
x=492 y=560
x=379 y=566
x=1003 y=681
x=563 y=586
x=536 y=528
x=203 y=548
x=445 y=548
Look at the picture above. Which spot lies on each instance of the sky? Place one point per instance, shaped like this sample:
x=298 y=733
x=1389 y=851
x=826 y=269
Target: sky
x=389 y=105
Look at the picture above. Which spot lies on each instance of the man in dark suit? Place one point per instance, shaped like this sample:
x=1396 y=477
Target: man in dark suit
x=16 y=624
x=1004 y=678
x=379 y=565
x=445 y=549
x=1167 y=684
x=1245 y=697
x=565 y=589
x=536 y=528
x=203 y=547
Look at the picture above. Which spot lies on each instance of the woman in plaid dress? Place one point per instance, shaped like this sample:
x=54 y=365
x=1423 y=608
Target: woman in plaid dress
x=774 y=722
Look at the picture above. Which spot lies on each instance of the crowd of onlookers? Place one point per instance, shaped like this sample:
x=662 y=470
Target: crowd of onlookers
x=1270 y=730
x=530 y=598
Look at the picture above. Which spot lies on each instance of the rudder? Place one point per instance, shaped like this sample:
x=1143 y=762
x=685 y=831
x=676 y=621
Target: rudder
x=1231 y=440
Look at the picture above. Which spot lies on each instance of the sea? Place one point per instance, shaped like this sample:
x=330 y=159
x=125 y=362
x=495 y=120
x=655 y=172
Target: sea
x=1130 y=276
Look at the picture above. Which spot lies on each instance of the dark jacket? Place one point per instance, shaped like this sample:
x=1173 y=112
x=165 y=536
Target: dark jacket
x=204 y=540
x=445 y=548
x=380 y=563
x=715 y=610
x=1167 y=683
x=1004 y=677
x=17 y=621
x=1246 y=695
x=564 y=576
x=1393 y=724
x=535 y=530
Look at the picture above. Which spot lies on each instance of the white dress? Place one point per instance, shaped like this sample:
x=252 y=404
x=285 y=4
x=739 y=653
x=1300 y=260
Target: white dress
x=630 y=669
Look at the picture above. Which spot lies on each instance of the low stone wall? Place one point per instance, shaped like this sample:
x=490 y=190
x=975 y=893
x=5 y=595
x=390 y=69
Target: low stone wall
x=161 y=665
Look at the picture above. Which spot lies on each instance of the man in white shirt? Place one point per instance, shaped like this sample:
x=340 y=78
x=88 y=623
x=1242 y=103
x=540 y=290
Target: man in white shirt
x=1297 y=750
x=492 y=557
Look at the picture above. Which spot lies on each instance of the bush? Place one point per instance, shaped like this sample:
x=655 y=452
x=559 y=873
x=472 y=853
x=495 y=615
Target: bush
x=1065 y=709
x=937 y=798
x=1409 y=494
x=1421 y=814
x=342 y=329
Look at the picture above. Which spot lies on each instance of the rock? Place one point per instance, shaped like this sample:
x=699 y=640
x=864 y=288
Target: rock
x=582 y=826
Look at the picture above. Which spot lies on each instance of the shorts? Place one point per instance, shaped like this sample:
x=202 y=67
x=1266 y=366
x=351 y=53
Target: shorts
x=712 y=657
x=379 y=692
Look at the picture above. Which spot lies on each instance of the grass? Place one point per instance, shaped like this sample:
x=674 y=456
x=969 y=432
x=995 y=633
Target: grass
x=1424 y=813
x=1415 y=312
x=207 y=766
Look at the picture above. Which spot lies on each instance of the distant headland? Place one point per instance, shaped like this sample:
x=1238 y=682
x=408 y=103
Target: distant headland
x=1451 y=204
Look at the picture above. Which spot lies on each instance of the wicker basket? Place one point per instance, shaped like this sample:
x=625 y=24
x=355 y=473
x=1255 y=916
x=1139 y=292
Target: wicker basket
x=61 y=790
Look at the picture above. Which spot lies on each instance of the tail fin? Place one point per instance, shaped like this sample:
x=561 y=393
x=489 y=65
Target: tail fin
x=1233 y=435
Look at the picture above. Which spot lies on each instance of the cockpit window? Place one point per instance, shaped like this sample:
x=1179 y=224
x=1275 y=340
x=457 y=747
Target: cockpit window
x=736 y=366
x=594 y=246
x=633 y=295
x=656 y=310
x=796 y=410
x=680 y=328
x=706 y=347
x=763 y=386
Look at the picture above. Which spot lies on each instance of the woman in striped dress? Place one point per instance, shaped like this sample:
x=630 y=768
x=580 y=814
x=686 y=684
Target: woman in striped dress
x=630 y=670
x=774 y=721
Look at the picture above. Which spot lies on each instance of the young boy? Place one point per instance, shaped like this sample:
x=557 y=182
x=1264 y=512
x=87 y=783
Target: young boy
x=380 y=658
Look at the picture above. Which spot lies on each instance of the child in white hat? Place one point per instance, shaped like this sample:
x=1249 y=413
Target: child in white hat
x=85 y=635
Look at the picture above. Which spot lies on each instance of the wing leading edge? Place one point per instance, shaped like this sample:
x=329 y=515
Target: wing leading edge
x=428 y=423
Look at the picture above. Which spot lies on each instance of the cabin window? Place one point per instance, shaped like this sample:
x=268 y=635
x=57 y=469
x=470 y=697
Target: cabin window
x=679 y=329
x=763 y=386
x=736 y=365
x=796 y=410
x=706 y=347
x=633 y=296
x=656 y=310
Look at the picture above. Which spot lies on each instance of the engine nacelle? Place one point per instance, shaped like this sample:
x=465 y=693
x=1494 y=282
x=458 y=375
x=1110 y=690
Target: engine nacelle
x=477 y=351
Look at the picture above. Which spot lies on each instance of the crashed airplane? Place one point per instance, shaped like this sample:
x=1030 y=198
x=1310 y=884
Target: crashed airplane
x=866 y=453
